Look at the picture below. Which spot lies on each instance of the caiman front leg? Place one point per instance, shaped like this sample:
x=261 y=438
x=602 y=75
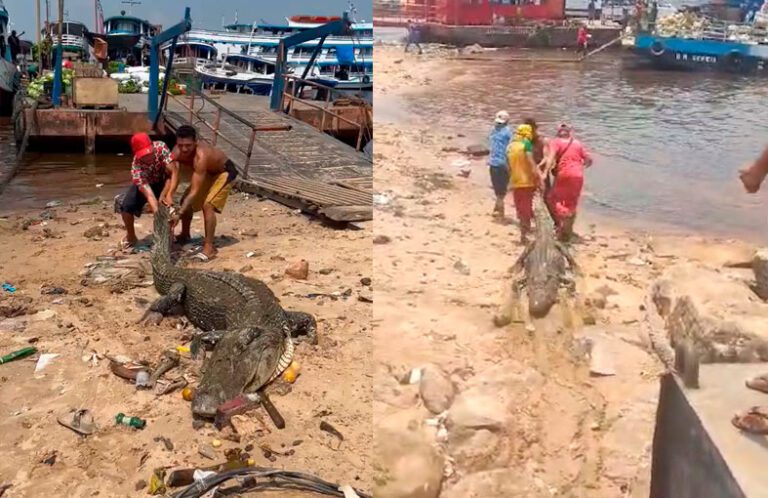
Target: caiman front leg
x=510 y=311
x=206 y=339
x=302 y=324
x=163 y=305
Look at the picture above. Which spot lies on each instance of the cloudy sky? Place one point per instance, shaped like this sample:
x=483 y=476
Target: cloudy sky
x=205 y=13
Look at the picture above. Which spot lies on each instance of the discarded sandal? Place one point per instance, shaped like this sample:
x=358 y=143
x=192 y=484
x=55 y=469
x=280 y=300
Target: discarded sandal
x=80 y=421
x=759 y=383
x=200 y=256
x=754 y=420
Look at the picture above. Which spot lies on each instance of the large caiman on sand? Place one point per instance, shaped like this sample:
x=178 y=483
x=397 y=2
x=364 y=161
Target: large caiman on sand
x=543 y=264
x=251 y=333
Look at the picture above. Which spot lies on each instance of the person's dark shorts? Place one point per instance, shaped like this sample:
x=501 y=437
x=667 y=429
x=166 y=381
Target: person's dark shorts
x=499 y=180
x=132 y=201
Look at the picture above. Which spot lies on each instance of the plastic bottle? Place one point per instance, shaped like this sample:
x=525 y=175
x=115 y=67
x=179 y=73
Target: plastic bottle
x=21 y=353
x=134 y=422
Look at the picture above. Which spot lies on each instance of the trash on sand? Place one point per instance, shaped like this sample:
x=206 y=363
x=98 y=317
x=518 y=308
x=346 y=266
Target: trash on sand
x=207 y=451
x=53 y=204
x=156 y=484
x=179 y=383
x=170 y=361
x=348 y=491
x=216 y=443
x=183 y=349
x=21 y=353
x=250 y=254
x=134 y=422
x=600 y=363
x=44 y=360
x=325 y=426
x=381 y=199
x=142 y=379
x=80 y=421
x=9 y=288
x=52 y=291
x=292 y=372
x=126 y=370
x=188 y=394
x=412 y=377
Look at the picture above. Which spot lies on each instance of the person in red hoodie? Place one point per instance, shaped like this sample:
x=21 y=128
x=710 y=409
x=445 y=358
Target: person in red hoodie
x=582 y=39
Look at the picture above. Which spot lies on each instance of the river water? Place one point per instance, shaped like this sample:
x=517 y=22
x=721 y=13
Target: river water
x=667 y=145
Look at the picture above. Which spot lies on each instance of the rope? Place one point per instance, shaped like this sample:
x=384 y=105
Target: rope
x=272 y=479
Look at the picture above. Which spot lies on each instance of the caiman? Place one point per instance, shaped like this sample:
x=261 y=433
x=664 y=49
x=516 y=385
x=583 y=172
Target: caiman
x=240 y=316
x=543 y=263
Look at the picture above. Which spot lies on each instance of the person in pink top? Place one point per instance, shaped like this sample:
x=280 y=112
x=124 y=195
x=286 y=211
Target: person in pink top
x=567 y=161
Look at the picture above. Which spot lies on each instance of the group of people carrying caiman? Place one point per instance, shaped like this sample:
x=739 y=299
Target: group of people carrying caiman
x=525 y=162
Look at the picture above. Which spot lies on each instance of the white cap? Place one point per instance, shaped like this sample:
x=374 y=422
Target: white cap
x=502 y=117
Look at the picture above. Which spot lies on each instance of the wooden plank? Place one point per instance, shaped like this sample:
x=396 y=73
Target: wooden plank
x=348 y=213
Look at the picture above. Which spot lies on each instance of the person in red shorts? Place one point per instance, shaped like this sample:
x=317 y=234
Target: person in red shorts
x=567 y=161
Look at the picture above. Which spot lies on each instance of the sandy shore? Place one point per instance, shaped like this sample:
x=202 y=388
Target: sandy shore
x=259 y=239
x=525 y=418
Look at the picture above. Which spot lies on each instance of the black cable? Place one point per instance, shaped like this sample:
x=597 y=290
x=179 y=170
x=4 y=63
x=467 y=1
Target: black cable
x=278 y=479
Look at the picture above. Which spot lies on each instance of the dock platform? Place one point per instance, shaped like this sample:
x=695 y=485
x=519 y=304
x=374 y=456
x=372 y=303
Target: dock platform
x=697 y=452
x=289 y=161
x=279 y=156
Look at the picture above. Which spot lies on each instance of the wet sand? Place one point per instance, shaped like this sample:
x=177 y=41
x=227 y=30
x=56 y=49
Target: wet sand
x=531 y=420
x=334 y=385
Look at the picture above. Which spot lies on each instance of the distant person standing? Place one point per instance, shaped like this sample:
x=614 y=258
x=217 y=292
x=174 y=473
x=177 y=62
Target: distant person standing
x=582 y=40
x=591 y=11
x=525 y=177
x=567 y=161
x=499 y=139
x=15 y=45
x=413 y=37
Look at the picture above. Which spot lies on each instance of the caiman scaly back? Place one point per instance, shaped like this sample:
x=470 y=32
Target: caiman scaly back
x=239 y=315
x=543 y=264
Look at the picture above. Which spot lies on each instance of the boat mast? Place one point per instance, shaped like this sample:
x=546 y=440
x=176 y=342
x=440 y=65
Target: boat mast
x=37 y=22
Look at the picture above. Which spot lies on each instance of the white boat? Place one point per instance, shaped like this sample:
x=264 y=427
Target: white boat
x=262 y=40
x=239 y=73
x=9 y=73
x=189 y=55
x=72 y=38
x=340 y=76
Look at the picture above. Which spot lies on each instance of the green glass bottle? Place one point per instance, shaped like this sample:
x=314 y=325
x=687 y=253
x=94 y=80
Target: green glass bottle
x=134 y=422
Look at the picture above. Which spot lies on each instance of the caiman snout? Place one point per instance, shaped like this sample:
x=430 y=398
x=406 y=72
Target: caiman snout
x=539 y=304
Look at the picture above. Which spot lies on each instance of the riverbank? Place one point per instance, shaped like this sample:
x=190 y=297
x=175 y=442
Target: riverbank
x=505 y=411
x=78 y=298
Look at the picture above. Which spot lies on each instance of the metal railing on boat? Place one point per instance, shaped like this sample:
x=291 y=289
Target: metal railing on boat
x=195 y=94
x=294 y=83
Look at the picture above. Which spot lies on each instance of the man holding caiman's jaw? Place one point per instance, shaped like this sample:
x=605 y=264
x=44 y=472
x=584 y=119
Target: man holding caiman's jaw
x=212 y=177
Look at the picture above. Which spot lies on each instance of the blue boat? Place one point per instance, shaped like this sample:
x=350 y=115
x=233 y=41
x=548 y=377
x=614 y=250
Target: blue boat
x=703 y=54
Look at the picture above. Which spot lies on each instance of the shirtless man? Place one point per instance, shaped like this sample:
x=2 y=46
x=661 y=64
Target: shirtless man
x=212 y=177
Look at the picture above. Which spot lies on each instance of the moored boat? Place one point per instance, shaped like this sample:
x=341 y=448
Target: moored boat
x=9 y=73
x=240 y=73
x=690 y=41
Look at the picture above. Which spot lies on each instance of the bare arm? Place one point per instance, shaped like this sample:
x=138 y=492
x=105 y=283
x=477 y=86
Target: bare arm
x=151 y=199
x=172 y=184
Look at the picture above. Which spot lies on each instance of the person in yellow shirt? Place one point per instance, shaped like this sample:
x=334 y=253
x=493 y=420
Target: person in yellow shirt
x=525 y=177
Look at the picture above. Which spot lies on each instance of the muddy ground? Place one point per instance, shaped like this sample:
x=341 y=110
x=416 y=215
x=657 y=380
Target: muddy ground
x=502 y=411
x=93 y=315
